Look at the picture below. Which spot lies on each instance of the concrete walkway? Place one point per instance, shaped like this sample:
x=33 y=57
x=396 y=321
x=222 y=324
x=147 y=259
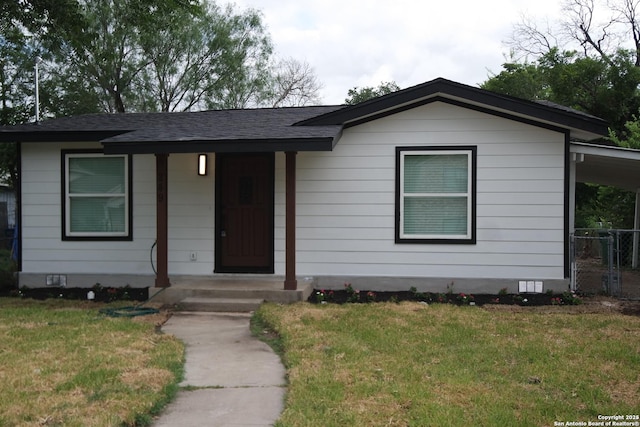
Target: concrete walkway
x=231 y=378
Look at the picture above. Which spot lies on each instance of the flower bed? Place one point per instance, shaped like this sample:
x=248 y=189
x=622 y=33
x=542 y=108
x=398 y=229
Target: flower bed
x=351 y=295
x=100 y=293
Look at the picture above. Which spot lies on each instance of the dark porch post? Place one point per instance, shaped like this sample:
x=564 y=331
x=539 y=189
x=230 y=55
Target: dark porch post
x=290 y=282
x=162 y=274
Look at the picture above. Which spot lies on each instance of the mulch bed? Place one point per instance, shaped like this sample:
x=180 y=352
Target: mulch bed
x=510 y=302
x=353 y=296
x=100 y=294
x=566 y=302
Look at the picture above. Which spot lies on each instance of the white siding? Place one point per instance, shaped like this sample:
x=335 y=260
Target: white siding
x=191 y=215
x=345 y=206
x=191 y=218
x=346 y=200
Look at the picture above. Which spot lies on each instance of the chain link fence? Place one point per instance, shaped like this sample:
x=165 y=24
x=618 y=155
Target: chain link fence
x=606 y=262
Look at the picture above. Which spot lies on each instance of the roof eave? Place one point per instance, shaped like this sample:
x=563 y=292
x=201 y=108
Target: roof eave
x=58 y=136
x=222 y=146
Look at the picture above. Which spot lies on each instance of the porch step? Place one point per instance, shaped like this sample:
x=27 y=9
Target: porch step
x=197 y=288
x=221 y=305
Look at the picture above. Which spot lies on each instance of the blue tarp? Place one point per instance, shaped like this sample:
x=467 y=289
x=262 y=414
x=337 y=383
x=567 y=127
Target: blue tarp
x=14 y=244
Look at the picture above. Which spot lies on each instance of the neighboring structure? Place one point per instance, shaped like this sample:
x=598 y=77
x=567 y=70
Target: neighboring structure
x=7 y=208
x=7 y=216
x=436 y=184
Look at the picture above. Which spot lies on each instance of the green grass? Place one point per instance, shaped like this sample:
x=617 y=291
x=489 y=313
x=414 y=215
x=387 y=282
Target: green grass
x=412 y=364
x=64 y=364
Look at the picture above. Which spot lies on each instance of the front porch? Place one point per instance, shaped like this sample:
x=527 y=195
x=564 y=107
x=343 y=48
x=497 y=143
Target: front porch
x=228 y=293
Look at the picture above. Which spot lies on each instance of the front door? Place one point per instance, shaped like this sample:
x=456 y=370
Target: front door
x=244 y=213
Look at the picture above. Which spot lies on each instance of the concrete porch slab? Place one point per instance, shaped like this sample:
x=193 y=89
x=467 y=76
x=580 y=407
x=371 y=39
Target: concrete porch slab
x=220 y=305
x=267 y=288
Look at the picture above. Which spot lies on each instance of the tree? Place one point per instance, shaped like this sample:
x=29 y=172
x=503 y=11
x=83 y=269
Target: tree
x=16 y=89
x=156 y=55
x=590 y=61
x=140 y=55
x=357 y=95
x=294 y=84
x=184 y=56
x=214 y=58
x=41 y=18
x=29 y=29
x=16 y=79
x=524 y=81
x=631 y=138
x=603 y=88
x=607 y=88
x=107 y=53
x=595 y=28
x=245 y=80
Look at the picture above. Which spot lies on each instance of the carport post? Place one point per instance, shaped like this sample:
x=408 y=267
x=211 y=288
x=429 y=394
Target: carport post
x=636 y=226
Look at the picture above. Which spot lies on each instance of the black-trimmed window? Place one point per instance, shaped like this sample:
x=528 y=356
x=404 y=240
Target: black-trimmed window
x=96 y=201
x=435 y=194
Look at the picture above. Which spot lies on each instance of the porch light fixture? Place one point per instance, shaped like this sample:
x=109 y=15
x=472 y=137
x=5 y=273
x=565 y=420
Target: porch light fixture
x=202 y=164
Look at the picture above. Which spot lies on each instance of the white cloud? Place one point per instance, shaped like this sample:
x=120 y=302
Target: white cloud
x=362 y=43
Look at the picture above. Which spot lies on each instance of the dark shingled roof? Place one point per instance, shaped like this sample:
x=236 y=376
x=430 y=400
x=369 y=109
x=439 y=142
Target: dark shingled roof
x=190 y=131
x=287 y=129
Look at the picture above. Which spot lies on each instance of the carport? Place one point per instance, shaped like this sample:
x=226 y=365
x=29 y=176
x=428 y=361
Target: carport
x=611 y=166
x=606 y=165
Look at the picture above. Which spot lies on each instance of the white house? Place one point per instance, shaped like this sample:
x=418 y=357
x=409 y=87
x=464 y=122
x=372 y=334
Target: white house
x=436 y=184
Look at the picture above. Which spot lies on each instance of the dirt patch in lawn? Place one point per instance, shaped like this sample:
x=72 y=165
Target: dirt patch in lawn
x=597 y=304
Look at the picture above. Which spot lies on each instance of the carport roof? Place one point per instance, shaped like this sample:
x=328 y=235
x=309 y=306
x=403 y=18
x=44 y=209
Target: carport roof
x=607 y=165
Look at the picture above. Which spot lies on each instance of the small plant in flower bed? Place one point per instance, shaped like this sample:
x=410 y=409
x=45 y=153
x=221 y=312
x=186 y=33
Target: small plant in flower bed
x=353 y=295
x=323 y=296
x=570 y=298
x=349 y=294
x=465 y=299
x=100 y=293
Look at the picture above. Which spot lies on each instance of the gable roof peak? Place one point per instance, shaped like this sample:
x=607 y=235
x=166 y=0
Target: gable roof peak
x=581 y=125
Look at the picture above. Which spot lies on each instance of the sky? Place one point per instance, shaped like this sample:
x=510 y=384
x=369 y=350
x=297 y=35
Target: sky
x=361 y=43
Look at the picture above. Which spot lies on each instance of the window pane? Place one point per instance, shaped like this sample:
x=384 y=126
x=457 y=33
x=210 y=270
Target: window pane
x=438 y=173
x=97 y=214
x=96 y=175
x=435 y=215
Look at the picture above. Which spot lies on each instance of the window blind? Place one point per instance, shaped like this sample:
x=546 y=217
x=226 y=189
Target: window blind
x=97 y=194
x=435 y=194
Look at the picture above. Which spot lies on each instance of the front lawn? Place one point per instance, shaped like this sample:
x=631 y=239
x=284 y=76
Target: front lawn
x=62 y=363
x=387 y=364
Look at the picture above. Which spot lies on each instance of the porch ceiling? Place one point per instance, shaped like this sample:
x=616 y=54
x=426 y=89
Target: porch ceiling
x=605 y=165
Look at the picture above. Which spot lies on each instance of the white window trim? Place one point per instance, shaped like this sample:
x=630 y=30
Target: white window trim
x=68 y=197
x=468 y=195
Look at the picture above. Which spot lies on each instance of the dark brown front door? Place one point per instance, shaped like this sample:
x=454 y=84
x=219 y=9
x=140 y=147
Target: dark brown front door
x=244 y=213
